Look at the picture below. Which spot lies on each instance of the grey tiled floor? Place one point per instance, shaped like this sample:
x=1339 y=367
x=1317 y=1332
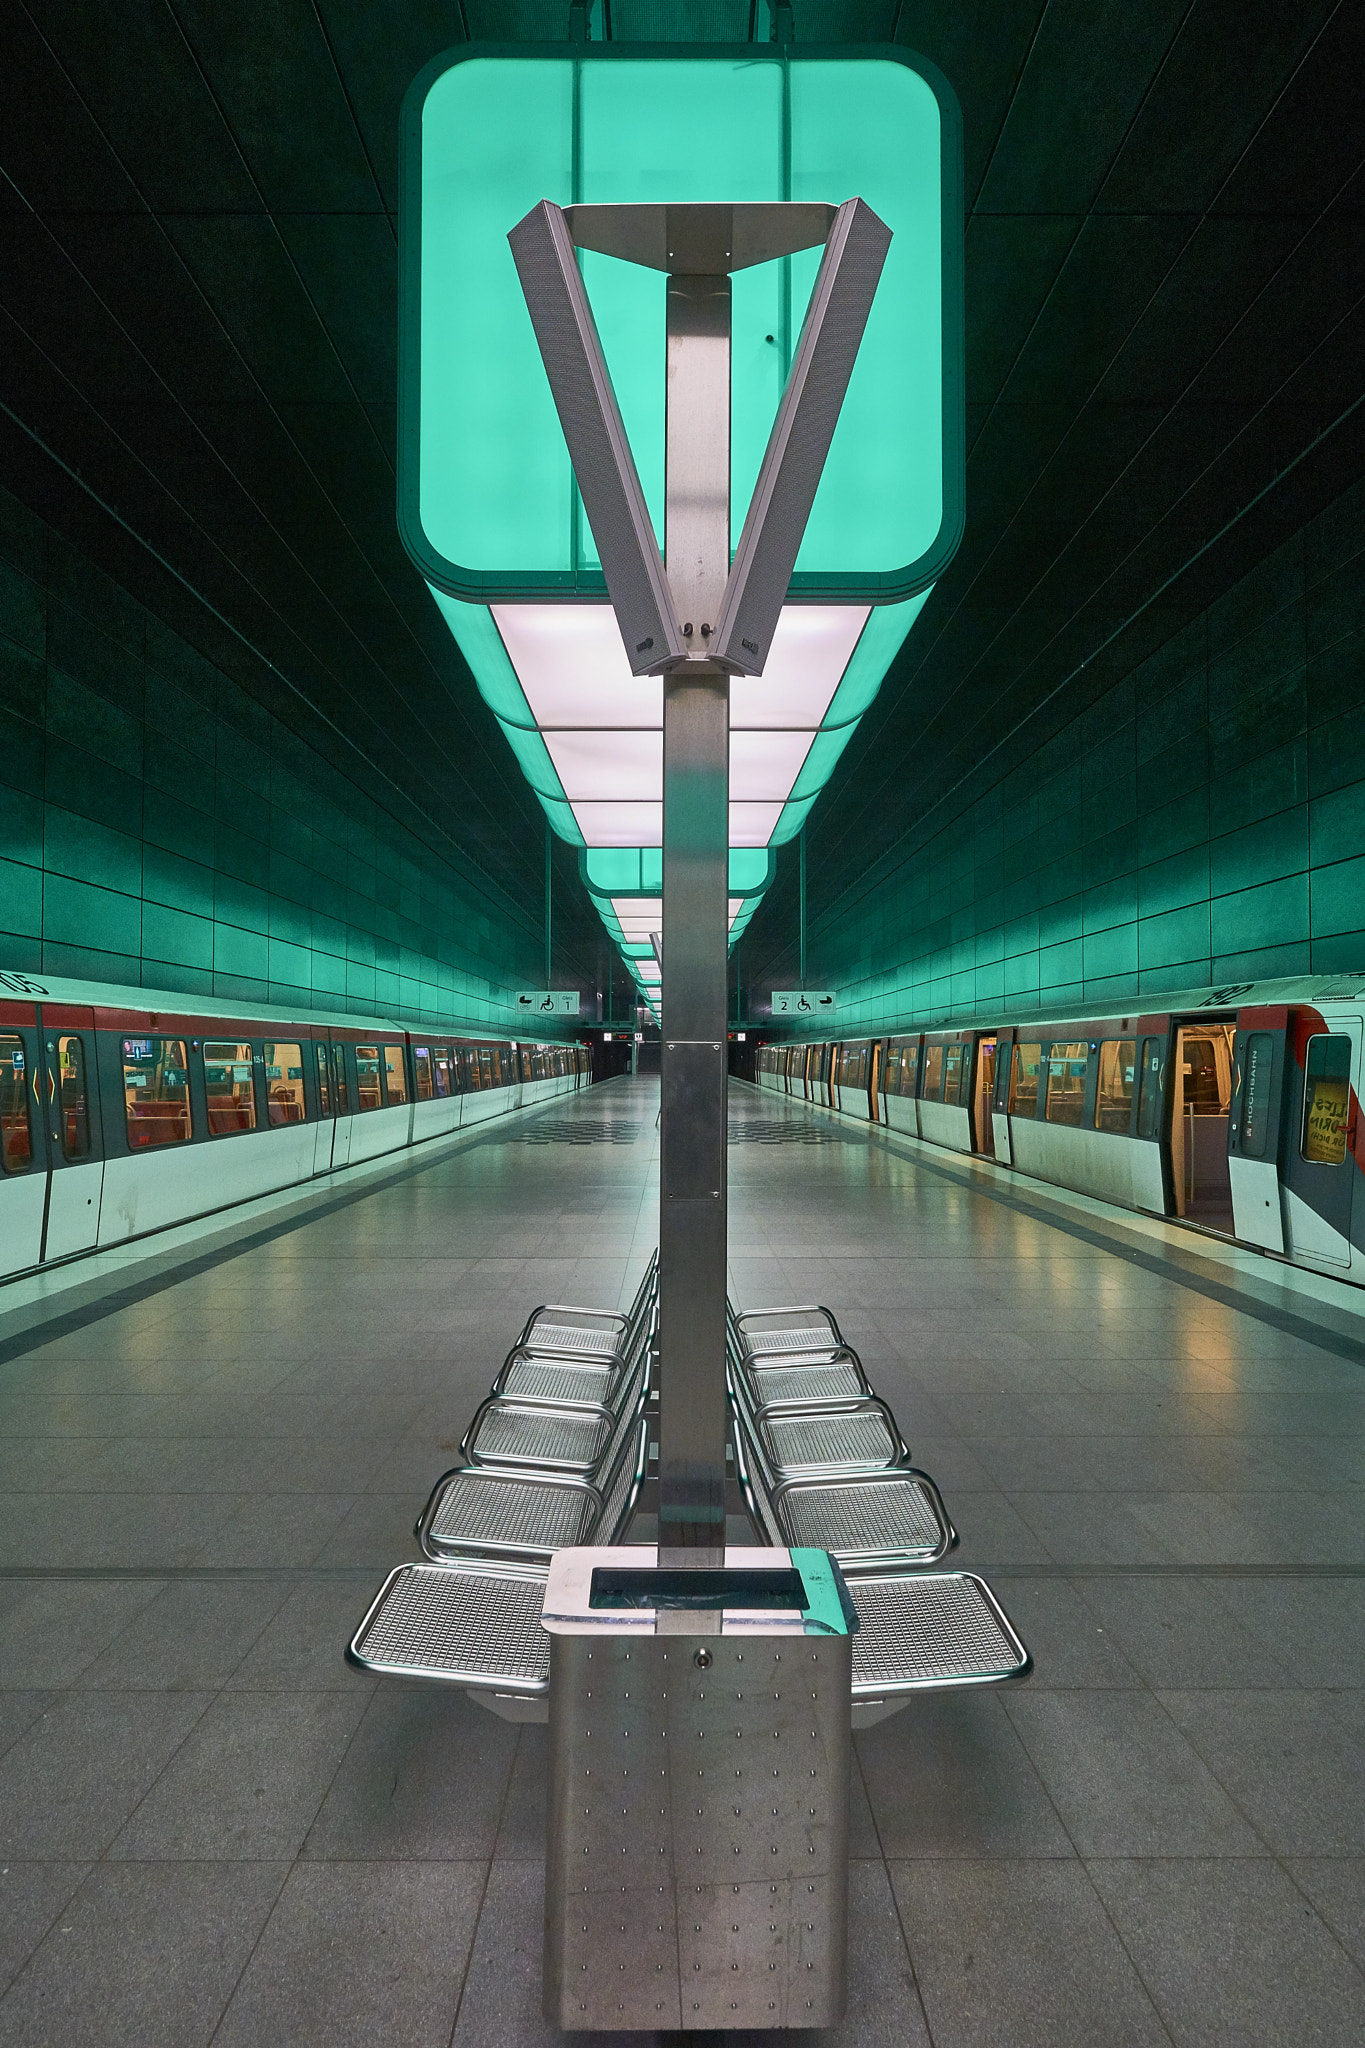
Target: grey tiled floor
x=212 y=1830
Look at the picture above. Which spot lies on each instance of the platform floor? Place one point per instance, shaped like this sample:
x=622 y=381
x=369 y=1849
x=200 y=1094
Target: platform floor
x=212 y=1830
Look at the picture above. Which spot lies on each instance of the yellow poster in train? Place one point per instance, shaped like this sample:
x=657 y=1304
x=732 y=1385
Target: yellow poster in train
x=1324 y=1129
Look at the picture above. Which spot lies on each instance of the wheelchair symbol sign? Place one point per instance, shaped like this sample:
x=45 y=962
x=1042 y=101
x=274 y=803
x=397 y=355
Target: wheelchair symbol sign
x=803 y=1002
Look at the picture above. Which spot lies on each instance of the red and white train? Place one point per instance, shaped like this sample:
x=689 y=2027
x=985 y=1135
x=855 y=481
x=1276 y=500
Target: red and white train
x=1236 y=1110
x=125 y=1110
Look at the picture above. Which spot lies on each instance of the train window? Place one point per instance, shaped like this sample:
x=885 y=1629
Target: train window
x=1203 y=1091
x=343 y=1086
x=229 y=1087
x=1259 y=1055
x=442 y=1075
x=932 y=1090
x=1066 y=1065
x=421 y=1067
x=156 y=1091
x=1326 y=1100
x=324 y=1079
x=368 y=1092
x=909 y=1069
x=395 y=1074
x=16 y=1139
x=952 y=1072
x=1025 y=1068
x=1114 y=1091
x=284 y=1083
x=75 y=1124
x=1151 y=1087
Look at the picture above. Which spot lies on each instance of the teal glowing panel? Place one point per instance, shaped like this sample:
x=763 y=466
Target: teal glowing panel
x=486 y=496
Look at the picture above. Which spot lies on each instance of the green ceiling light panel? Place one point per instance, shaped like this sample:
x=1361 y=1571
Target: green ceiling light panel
x=488 y=506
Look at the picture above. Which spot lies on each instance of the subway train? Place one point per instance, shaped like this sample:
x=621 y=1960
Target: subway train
x=1235 y=1110
x=126 y=1110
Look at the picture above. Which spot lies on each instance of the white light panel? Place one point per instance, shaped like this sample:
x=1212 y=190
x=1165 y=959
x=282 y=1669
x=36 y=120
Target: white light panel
x=609 y=765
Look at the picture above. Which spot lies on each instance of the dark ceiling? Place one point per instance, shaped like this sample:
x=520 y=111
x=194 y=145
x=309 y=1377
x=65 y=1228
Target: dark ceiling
x=197 y=359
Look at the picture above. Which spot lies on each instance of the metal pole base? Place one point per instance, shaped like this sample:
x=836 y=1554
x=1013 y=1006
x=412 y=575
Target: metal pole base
x=697 y=1867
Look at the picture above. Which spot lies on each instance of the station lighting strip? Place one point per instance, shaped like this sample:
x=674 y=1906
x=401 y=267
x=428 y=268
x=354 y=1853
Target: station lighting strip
x=589 y=738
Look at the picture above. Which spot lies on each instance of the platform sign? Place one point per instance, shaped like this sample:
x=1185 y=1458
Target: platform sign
x=549 y=1002
x=487 y=505
x=803 y=1002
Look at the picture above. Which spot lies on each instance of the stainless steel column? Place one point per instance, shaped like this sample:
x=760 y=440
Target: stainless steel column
x=696 y=791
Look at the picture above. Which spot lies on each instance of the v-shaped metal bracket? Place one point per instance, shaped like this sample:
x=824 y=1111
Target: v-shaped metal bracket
x=695 y=241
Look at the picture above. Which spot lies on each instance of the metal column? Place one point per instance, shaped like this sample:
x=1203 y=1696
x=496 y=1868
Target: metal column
x=696 y=791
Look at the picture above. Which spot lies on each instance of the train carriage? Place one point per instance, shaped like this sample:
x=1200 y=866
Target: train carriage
x=1234 y=1110
x=126 y=1110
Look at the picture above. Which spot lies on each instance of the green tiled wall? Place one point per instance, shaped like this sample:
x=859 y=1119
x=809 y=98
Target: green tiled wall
x=1203 y=823
x=159 y=827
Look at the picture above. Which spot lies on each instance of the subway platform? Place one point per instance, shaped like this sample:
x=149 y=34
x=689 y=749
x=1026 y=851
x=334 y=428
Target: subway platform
x=213 y=1830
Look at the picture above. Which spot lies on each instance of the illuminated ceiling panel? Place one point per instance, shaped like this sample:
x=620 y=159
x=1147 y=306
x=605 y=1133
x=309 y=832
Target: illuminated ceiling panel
x=589 y=736
x=486 y=500
x=608 y=766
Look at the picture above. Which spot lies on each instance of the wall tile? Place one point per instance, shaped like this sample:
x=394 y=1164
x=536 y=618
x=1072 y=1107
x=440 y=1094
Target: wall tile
x=75 y=912
x=1337 y=897
x=89 y=852
x=1275 y=914
x=1273 y=847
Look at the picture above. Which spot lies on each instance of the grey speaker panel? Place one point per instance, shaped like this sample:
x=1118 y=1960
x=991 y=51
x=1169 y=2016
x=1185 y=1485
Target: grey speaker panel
x=571 y=351
x=800 y=440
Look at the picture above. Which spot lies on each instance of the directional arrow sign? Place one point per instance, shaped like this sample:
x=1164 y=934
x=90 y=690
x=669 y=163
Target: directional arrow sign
x=548 y=1002
x=803 y=1002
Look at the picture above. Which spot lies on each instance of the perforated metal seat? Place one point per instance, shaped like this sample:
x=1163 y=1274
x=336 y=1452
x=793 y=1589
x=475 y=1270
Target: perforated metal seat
x=924 y=1631
x=475 y=1512
x=529 y=1376
x=770 y=1332
x=855 y=1436
x=802 y=1380
x=866 y=1519
x=565 y=1330
x=468 y=1623
x=555 y=1437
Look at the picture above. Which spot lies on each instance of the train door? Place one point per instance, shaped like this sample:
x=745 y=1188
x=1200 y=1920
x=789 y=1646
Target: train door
x=69 y=1106
x=1320 y=1147
x=874 y=1080
x=343 y=1105
x=999 y=1105
x=325 y=1127
x=983 y=1098
x=1201 y=1100
x=23 y=1183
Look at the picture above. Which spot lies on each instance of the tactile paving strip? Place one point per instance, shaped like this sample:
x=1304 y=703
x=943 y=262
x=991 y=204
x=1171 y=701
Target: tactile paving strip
x=937 y=1629
x=476 y=1627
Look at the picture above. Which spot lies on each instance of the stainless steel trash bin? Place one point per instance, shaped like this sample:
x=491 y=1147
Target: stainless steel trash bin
x=697 y=1852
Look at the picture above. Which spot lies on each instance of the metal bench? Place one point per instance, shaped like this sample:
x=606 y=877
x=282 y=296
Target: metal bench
x=476 y=1624
x=771 y=1332
x=821 y=1464
x=834 y=1474
x=816 y=1377
x=589 y=1335
x=510 y=1504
